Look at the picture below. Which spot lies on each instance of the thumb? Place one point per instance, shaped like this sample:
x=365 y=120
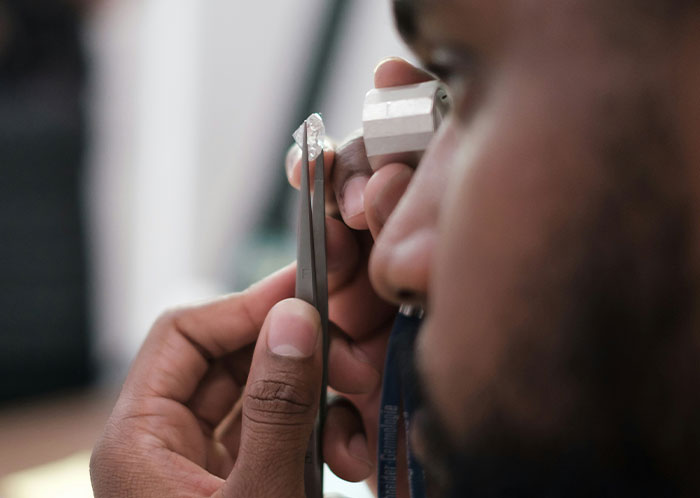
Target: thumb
x=280 y=402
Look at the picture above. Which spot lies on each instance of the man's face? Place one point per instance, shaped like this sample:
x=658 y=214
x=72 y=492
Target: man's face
x=546 y=229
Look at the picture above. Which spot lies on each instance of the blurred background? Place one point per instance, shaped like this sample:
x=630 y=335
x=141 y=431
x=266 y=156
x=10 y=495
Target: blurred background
x=141 y=166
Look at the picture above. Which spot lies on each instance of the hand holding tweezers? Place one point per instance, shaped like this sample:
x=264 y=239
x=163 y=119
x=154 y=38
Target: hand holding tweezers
x=312 y=287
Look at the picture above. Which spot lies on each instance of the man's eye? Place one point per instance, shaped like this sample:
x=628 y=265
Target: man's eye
x=447 y=63
x=457 y=69
x=457 y=81
x=443 y=73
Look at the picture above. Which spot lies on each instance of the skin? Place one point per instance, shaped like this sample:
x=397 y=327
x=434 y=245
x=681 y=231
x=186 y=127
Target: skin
x=549 y=232
x=565 y=240
x=182 y=420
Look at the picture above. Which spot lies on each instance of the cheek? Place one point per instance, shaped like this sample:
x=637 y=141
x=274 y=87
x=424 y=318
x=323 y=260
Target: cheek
x=516 y=186
x=458 y=357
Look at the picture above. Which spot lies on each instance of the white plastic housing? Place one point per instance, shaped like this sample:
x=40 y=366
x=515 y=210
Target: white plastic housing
x=399 y=122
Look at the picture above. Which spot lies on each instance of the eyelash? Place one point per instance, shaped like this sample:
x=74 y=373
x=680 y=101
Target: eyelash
x=443 y=73
x=447 y=63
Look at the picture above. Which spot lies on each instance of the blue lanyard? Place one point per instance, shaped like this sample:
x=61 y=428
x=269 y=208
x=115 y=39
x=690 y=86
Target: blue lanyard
x=399 y=398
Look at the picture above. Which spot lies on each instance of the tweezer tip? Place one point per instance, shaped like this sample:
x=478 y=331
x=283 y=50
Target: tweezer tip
x=305 y=134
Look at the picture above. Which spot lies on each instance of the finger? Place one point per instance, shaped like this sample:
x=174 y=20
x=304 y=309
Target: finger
x=351 y=169
x=214 y=397
x=176 y=354
x=238 y=363
x=343 y=254
x=292 y=163
x=395 y=71
x=383 y=193
x=345 y=447
x=293 y=167
x=350 y=288
x=350 y=369
x=219 y=460
x=220 y=391
x=374 y=347
x=228 y=433
x=351 y=172
x=280 y=403
x=358 y=294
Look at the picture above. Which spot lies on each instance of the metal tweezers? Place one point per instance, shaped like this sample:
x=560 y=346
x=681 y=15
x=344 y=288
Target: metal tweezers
x=312 y=287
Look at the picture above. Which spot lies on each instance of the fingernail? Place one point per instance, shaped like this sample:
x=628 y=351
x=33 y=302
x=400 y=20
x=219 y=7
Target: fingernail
x=292 y=335
x=354 y=196
x=384 y=61
x=293 y=157
x=357 y=447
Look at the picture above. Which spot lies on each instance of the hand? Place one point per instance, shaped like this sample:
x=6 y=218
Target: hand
x=349 y=171
x=200 y=412
x=364 y=200
x=222 y=396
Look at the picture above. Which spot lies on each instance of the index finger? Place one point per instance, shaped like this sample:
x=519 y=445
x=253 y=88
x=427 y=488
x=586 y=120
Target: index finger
x=176 y=354
x=395 y=71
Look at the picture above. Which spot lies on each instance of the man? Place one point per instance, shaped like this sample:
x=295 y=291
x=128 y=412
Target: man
x=549 y=232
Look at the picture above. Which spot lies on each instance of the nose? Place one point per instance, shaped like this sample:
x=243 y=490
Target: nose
x=403 y=208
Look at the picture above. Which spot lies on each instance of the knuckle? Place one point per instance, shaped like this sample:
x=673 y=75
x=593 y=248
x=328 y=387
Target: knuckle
x=170 y=317
x=179 y=318
x=350 y=159
x=279 y=402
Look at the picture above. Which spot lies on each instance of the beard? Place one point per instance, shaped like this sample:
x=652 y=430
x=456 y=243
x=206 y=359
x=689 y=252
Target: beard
x=626 y=351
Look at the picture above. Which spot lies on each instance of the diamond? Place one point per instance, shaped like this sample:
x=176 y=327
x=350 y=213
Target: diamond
x=316 y=132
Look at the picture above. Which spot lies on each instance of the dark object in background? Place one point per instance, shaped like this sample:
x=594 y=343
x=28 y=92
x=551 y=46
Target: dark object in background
x=44 y=343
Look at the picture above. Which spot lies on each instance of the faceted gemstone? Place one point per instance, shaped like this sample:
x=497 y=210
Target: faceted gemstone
x=316 y=132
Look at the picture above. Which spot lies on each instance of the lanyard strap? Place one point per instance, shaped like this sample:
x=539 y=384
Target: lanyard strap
x=398 y=392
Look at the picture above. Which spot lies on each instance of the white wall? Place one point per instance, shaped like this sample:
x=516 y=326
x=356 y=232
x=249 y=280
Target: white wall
x=370 y=37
